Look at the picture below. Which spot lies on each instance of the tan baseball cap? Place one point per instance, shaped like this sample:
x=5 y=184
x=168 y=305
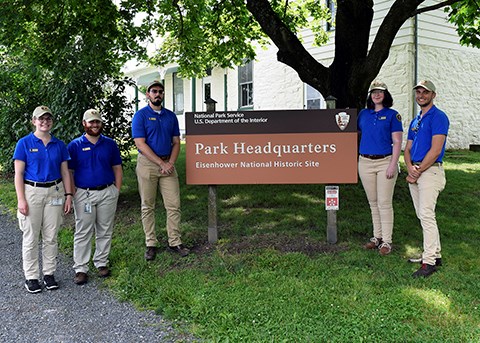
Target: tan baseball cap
x=377 y=84
x=154 y=83
x=40 y=111
x=428 y=85
x=92 y=114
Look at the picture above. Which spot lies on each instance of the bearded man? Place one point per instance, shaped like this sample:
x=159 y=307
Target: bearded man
x=156 y=133
x=96 y=169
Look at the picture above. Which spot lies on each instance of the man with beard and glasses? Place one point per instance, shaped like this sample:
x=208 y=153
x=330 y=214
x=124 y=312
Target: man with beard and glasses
x=96 y=169
x=423 y=155
x=156 y=134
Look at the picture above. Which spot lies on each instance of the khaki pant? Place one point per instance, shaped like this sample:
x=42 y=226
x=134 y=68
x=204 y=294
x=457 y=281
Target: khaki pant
x=45 y=216
x=379 y=191
x=149 y=180
x=424 y=195
x=99 y=218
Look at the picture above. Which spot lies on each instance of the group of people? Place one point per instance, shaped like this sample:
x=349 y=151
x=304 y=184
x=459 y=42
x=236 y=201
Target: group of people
x=52 y=178
x=381 y=131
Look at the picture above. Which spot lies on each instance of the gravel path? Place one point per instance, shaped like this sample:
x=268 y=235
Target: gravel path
x=70 y=314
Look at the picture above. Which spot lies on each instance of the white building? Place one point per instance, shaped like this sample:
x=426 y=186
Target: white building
x=426 y=47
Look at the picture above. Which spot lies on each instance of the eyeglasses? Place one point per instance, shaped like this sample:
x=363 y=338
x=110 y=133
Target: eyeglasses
x=155 y=91
x=45 y=119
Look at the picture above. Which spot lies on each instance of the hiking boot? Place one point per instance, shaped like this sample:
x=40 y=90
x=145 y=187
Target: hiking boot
x=425 y=270
x=373 y=244
x=103 y=271
x=384 y=249
x=80 y=278
x=179 y=249
x=150 y=253
x=50 y=282
x=438 y=261
x=33 y=286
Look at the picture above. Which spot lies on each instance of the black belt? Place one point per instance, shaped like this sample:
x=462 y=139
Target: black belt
x=98 y=188
x=375 y=157
x=436 y=164
x=42 y=184
x=165 y=158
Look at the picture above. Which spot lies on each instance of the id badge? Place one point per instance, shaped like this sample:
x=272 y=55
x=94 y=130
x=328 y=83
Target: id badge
x=57 y=201
x=88 y=207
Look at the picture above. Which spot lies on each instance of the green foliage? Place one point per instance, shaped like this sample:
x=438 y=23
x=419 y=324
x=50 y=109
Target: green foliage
x=466 y=16
x=66 y=55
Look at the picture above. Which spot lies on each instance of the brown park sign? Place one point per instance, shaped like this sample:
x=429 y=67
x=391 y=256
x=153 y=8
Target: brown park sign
x=272 y=147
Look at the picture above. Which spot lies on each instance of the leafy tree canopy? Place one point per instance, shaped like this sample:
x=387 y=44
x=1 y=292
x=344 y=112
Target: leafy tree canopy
x=67 y=55
x=212 y=33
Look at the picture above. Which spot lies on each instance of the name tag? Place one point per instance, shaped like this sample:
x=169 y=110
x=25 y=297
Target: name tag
x=33 y=150
x=382 y=118
x=86 y=149
x=152 y=118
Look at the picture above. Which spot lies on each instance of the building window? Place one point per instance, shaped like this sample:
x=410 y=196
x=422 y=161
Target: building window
x=333 y=10
x=313 y=98
x=245 y=85
x=178 y=102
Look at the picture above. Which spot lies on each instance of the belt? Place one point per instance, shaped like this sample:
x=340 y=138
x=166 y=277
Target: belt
x=375 y=157
x=98 y=188
x=436 y=164
x=42 y=184
x=165 y=158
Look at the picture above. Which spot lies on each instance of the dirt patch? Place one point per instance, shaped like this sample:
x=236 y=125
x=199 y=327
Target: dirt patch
x=281 y=243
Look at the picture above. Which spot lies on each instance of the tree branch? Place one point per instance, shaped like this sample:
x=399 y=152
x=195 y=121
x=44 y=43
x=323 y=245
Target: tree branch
x=291 y=50
x=435 y=7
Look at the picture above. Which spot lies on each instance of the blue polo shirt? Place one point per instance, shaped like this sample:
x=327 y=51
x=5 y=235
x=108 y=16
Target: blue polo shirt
x=377 y=128
x=421 y=131
x=158 y=129
x=92 y=163
x=42 y=163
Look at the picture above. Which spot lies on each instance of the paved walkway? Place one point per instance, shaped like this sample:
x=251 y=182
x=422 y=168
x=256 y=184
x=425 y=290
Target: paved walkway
x=70 y=314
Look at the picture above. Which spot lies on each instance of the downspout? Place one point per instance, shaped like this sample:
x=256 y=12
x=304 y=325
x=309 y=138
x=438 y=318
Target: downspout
x=415 y=61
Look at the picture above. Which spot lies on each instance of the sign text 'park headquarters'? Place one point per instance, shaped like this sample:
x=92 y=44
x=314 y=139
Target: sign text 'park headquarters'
x=272 y=147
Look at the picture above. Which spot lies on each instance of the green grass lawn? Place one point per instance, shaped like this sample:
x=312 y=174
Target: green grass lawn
x=272 y=277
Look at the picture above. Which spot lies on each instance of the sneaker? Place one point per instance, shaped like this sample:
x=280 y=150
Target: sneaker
x=150 y=253
x=80 y=278
x=425 y=270
x=384 y=249
x=438 y=261
x=373 y=244
x=33 y=286
x=50 y=282
x=103 y=271
x=179 y=249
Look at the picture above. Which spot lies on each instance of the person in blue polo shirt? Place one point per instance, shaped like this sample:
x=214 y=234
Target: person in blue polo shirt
x=424 y=151
x=381 y=129
x=44 y=194
x=96 y=167
x=156 y=134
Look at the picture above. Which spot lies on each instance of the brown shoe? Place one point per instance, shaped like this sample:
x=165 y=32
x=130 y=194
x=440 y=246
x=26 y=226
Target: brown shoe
x=150 y=253
x=103 y=271
x=373 y=244
x=385 y=248
x=179 y=249
x=80 y=278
